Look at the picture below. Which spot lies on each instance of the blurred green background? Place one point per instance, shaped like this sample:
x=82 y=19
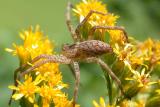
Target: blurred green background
x=141 y=18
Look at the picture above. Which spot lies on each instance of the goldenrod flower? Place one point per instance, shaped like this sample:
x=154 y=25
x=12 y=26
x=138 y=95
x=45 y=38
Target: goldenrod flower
x=129 y=103
x=34 y=44
x=101 y=103
x=83 y=8
x=48 y=94
x=27 y=89
x=117 y=36
x=124 y=53
x=50 y=89
x=130 y=55
x=63 y=102
x=142 y=78
x=149 y=50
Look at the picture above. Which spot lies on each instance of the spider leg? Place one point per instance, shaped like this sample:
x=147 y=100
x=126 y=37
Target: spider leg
x=77 y=74
x=108 y=70
x=68 y=22
x=22 y=67
x=53 y=59
x=85 y=20
x=40 y=57
x=93 y=29
x=49 y=59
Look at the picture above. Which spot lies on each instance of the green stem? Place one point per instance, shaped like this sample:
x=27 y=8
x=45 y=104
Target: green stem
x=25 y=103
x=109 y=87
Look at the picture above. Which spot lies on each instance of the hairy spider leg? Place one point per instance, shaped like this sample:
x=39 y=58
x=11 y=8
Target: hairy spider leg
x=69 y=25
x=74 y=67
x=77 y=74
x=19 y=69
x=77 y=31
x=93 y=29
x=107 y=69
x=51 y=59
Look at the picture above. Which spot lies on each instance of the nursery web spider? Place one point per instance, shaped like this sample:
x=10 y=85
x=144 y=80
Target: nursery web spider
x=80 y=51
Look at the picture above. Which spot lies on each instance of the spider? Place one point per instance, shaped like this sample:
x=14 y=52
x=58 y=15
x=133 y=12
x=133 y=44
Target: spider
x=80 y=51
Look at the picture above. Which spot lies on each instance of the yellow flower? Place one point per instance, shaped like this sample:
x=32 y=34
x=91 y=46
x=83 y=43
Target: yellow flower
x=27 y=89
x=101 y=103
x=53 y=78
x=117 y=36
x=63 y=102
x=50 y=89
x=150 y=51
x=83 y=8
x=128 y=53
x=158 y=91
x=48 y=94
x=129 y=103
x=34 y=44
x=124 y=53
x=141 y=78
x=54 y=95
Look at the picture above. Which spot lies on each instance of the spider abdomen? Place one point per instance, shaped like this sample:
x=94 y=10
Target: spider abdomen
x=92 y=48
x=89 y=48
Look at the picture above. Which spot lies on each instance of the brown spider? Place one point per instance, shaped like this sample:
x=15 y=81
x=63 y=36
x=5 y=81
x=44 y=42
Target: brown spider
x=80 y=51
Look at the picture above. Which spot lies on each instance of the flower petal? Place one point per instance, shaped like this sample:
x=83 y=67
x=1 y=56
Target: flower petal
x=17 y=96
x=13 y=87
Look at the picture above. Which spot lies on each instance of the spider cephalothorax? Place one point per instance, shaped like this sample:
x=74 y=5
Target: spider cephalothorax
x=80 y=50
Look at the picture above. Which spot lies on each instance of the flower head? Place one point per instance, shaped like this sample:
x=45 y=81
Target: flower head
x=83 y=8
x=49 y=94
x=101 y=103
x=141 y=78
x=27 y=89
x=46 y=82
x=34 y=44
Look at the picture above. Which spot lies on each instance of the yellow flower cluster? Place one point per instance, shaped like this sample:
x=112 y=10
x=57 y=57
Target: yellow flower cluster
x=45 y=83
x=83 y=8
x=128 y=103
x=150 y=51
x=34 y=44
x=140 y=58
